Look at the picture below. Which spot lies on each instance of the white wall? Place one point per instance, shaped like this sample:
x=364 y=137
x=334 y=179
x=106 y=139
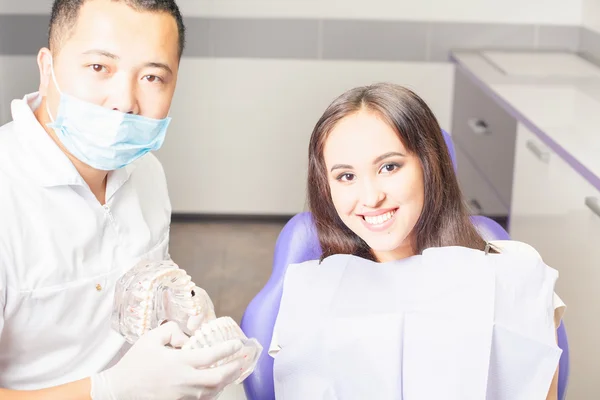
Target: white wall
x=591 y=14
x=238 y=143
x=239 y=139
x=506 y=11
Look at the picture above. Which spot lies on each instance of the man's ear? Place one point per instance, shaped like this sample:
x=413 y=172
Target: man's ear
x=44 y=60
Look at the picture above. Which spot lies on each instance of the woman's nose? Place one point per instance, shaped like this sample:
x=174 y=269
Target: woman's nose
x=372 y=195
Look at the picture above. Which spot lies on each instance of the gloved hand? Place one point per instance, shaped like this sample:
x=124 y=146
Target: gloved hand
x=152 y=371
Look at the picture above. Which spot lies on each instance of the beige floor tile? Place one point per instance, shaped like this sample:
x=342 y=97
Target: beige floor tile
x=232 y=261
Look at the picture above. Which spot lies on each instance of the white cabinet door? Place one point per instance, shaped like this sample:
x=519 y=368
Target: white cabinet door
x=558 y=212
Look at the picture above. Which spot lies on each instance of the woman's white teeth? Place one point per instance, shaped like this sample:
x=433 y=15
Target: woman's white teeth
x=380 y=219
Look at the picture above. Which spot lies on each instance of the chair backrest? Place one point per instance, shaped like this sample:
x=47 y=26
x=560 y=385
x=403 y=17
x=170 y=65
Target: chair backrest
x=297 y=243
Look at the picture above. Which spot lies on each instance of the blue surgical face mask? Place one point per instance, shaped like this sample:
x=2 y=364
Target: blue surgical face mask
x=102 y=138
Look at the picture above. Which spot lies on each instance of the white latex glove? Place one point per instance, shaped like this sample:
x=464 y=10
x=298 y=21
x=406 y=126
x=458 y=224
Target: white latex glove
x=152 y=371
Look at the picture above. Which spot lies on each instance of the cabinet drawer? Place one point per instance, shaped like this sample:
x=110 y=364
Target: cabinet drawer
x=486 y=133
x=478 y=194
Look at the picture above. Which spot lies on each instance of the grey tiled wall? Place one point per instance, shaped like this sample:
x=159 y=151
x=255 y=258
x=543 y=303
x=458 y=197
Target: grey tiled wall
x=331 y=39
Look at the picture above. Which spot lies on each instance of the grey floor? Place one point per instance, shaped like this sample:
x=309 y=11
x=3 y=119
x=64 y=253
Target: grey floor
x=230 y=260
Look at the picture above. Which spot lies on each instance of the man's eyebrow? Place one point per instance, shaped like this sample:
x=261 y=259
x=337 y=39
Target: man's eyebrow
x=102 y=53
x=159 y=65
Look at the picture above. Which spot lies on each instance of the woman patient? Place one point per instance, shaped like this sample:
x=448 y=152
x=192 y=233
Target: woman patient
x=408 y=301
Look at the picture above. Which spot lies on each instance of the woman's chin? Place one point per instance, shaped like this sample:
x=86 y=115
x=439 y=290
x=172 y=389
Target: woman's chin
x=389 y=250
x=380 y=248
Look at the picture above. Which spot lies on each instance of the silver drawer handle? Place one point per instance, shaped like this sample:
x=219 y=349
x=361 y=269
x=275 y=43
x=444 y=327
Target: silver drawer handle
x=479 y=126
x=542 y=155
x=593 y=204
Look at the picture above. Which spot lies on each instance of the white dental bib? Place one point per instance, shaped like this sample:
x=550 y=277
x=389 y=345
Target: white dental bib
x=452 y=323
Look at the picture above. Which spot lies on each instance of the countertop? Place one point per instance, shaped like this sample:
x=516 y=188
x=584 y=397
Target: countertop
x=555 y=94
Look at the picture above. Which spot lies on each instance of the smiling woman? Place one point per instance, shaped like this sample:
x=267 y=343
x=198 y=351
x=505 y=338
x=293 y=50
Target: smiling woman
x=379 y=155
x=407 y=300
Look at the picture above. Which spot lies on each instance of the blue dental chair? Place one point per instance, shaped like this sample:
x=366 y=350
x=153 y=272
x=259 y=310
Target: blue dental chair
x=297 y=243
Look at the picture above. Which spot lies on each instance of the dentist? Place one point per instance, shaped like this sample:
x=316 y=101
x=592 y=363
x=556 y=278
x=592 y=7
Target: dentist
x=82 y=200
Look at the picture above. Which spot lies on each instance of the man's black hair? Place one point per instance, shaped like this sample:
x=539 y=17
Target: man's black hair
x=65 y=12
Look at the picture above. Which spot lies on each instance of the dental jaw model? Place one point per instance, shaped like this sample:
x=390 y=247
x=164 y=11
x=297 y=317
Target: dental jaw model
x=223 y=329
x=155 y=292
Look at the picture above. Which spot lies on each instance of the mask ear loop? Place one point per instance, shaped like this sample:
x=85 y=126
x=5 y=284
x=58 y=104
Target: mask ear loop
x=55 y=84
x=53 y=75
x=49 y=113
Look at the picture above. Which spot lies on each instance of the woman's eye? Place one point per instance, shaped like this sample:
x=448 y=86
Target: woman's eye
x=389 y=167
x=346 y=177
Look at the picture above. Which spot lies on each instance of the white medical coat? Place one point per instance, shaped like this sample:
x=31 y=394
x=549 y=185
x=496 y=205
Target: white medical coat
x=61 y=253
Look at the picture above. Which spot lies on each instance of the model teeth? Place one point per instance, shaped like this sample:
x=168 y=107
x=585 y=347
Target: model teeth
x=379 y=219
x=221 y=330
x=151 y=293
x=137 y=302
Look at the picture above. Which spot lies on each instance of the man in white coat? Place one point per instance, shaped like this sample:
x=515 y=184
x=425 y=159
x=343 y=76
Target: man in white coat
x=82 y=200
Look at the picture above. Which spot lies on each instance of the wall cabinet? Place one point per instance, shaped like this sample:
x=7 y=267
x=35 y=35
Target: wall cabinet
x=485 y=134
x=557 y=211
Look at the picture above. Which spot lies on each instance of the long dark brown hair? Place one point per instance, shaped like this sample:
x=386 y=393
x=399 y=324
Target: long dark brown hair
x=444 y=220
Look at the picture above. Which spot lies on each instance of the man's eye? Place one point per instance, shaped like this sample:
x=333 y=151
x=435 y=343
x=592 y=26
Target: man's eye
x=153 y=78
x=97 y=67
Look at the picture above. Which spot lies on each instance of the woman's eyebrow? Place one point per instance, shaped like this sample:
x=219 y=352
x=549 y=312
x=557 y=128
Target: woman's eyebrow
x=341 y=166
x=387 y=155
